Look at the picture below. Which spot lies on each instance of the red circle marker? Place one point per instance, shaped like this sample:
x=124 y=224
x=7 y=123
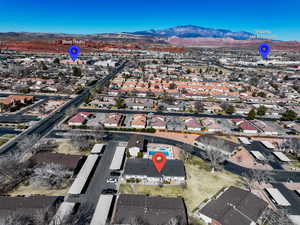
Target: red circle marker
x=159 y=160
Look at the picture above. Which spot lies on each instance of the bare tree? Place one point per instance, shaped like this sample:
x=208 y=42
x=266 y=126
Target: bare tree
x=294 y=146
x=70 y=111
x=215 y=157
x=278 y=217
x=137 y=221
x=41 y=109
x=186 y=156
x=199 y=107
x=80 y=142
x=45 y=217
x=256 y=176
x=83 y=216
x=51 y=176
x=17 y=219
x=27 y=144
x=98 y=132
x=173 y=221
x=46 y=145
x=12 y=172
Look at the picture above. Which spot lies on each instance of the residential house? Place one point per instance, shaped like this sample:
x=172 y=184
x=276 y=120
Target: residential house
x=139 y=121
x=212 y=142
x=175 y=123
x=137 y=105
x=192 y=123
x=234 y=206
x=135 y=144
x=247 y=128
x=6 y=104
x=264 y=128
x=211 y=125
x=113 y=120
x=71 y=162
x=237 y=121
x=158 y=122
x=143 y=171
x=79 y=119
x=210 y=107
x=26 y=206
x=103 y=104
x=151 y=210
x=174 y=107
x=14 y=102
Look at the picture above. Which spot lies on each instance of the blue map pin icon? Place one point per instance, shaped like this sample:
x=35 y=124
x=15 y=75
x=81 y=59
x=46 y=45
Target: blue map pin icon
x=74 y=52
x=264 y=49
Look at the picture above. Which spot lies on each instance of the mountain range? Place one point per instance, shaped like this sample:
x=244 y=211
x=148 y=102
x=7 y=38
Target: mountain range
x=179 y=36
x=191 y=31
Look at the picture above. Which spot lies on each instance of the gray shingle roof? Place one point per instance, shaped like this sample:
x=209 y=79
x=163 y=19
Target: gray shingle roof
x=68 y=161
x=219 y=143
x=136 y=141
x=152 y=210
x=145 y=167
x=235 y=207
x=25 y=205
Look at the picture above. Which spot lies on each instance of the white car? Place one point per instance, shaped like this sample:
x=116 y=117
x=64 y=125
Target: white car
x=111 y=180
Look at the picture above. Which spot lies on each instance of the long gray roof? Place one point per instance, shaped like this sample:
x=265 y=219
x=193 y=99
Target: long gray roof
x=145 y=167
x=25 y=205
x=151 y=210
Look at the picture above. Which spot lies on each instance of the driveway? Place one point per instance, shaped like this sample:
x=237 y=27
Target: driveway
x=98 y=179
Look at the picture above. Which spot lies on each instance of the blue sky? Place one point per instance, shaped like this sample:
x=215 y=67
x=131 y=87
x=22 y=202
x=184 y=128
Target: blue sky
x=281 y=17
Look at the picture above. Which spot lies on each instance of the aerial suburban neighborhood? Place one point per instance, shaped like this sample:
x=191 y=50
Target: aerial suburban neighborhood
x=179 y=126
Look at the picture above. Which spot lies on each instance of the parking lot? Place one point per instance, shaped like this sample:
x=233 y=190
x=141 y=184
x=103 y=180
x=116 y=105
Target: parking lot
x=271 y=159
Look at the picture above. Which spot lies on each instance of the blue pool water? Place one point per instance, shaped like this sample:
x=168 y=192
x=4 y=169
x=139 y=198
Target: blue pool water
x=153 y=152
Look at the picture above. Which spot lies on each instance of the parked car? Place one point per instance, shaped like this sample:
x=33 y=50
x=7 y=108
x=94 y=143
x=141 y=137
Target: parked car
x=111 y=180
x=109 y=191
x=115 y=174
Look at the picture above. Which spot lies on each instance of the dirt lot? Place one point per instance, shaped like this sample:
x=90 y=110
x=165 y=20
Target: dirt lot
x=65 y=147
x=201 y=184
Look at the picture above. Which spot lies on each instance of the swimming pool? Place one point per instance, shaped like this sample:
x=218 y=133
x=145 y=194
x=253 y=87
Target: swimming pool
x=164 y=149
x=153 y=152
x=159 y=148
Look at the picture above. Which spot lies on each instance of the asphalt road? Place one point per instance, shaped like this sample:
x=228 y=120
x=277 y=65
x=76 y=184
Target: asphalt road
x=17 y=118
